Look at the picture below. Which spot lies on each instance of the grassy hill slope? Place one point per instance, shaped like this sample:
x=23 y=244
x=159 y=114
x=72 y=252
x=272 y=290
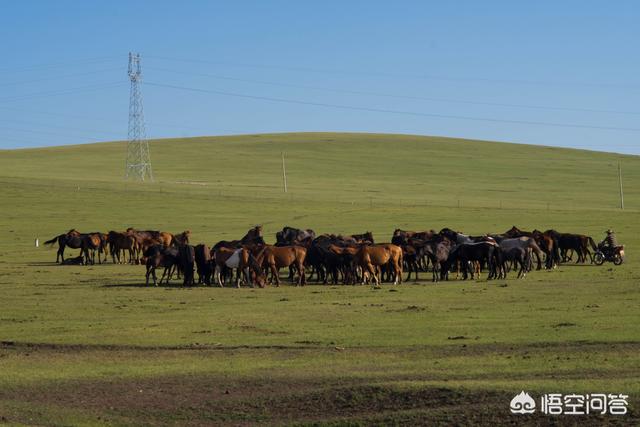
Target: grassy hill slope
x=92 y=336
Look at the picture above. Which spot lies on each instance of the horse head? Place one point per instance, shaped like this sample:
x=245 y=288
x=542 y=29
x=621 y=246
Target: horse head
x=513 y=231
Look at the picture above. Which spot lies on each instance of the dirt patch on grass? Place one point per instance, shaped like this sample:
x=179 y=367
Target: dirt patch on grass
x=280 y=396
x=206 y=400
x=306 y=345
x=563 y=325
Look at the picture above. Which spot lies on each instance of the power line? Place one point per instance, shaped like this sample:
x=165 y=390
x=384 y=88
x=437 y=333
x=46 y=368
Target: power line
x=34 y=144
x=69 y=91
x=85 y=117
x=64 y=64
x=387 y=95
x=49 y=113
x=22 y=141
x=44 y=132
x=59 y=77
x=94 y=131
x=390 y=111
x=398 y=75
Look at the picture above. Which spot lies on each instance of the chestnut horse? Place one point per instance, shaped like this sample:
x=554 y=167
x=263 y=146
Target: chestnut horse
x=371 y=258
x=169 y=239
x=144 y=240
x=277 y=257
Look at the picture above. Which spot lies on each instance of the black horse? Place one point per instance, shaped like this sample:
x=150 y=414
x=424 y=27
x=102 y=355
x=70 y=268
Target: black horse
x=290 y=236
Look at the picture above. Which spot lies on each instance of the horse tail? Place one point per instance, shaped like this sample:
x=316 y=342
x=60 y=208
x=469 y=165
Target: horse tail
x=53 y=241
x=592 y=243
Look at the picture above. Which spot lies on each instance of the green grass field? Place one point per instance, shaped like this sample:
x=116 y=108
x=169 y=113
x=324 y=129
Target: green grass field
x=94 y=346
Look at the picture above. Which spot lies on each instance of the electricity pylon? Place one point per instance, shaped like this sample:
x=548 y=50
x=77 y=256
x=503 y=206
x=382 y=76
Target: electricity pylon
x=138 y=165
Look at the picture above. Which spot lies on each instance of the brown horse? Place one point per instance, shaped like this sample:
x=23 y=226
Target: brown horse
x=341 y=258
x=75 y=240
x=241 y=260
x=371 y=258
x=252 y=237
x=166 y=239
x=568 y=243
x=364 y=238
x=144 y=240
x=119 y=243
x=276 y=257
x=169 y=239
x=94 y=242
x=402 y=237
x=158 y=256
x=550 y=247
x=181 y=238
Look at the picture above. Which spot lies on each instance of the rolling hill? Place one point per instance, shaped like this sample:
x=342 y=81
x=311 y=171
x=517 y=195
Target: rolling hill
x=92 y=345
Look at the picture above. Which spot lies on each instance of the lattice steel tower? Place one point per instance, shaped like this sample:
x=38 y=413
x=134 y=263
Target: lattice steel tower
x=138 y=165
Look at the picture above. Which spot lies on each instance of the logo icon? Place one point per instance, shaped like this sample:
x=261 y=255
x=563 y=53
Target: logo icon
x=522 y=404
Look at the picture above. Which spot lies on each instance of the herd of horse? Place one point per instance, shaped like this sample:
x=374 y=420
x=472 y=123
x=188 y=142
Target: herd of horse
x=346 y=259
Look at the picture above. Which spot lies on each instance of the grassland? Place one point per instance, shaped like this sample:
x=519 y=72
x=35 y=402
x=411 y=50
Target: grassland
x=92 y=345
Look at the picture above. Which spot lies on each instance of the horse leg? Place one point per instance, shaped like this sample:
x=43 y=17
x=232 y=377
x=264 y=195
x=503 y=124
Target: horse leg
x=247 y=276
x=375 y=270
x=274 y=274
x=60 y=253
x=238 y=276
x=334 y=275
x=164 y=272
x=216 y=276
x=155 y=278
x=301 y=275
x=365 y=275
x=523 y=267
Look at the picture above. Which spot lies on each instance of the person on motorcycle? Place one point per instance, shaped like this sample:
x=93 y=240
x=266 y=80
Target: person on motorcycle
x=609 y=242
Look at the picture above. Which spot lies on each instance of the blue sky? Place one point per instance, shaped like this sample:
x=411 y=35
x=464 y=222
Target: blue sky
x=551 y=73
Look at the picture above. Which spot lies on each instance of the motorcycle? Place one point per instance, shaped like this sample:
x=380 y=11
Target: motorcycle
x=605 y=253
